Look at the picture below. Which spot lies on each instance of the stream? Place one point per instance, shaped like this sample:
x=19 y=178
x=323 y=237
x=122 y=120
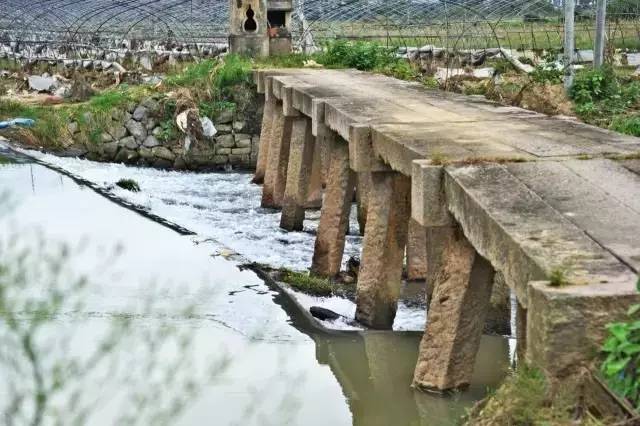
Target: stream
x=198 y=339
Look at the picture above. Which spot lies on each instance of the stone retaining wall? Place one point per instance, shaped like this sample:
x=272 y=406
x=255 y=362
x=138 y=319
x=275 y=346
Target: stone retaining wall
x=137 y=135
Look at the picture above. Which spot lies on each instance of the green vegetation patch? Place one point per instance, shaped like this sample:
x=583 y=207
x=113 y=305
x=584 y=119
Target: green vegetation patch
x=621 y=367
x=129 y=185
x=604 y=98
x=524 y=399
x=307 y=283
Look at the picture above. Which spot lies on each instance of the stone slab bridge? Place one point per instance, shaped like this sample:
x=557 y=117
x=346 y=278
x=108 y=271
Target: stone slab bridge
x=463 y=189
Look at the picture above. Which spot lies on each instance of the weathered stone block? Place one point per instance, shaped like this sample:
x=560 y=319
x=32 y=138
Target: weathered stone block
x=136 y=129
x=226 y=141
x=129 y=142
x=243 y=143
x=110 y=149
x=239 y=126
x=118 y=132
x=145 y=153
x=126 y=156
x=224 y=128
x=223 y=151
x=140 y=113
x=105 y=137
x=241 y=151
x=151 y=142
x=163 y=153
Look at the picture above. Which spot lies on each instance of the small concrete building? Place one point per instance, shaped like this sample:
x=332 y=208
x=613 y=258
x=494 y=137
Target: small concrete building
x=260 y=28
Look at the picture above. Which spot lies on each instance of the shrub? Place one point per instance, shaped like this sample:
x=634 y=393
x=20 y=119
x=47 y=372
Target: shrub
x=361 y=55
x=600 y=95
x=621 y=367
x=547 y=74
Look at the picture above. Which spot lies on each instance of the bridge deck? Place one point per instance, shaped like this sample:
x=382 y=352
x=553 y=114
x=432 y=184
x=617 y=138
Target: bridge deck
x=534 y=195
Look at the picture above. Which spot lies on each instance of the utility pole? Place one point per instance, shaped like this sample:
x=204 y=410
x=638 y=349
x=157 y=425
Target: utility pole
x=569 y=41
x=601 y=32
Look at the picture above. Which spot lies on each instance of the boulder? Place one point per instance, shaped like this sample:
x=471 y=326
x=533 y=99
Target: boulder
x=151 y=105
x=42 y=84
x=105 y=137
x=162 y=163
x=118 y=132
x=129 y=142
x=151 y=123
x=163 y=153
x=145 y=153
x=151 y=142
x=110 y=149
x=136 y=129
x=140 y=113
x=126 y=156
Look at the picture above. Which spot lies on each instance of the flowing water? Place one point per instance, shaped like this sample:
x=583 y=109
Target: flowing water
x=205 y=338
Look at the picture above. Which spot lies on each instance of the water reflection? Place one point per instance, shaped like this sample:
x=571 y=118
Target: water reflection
x=349 y=377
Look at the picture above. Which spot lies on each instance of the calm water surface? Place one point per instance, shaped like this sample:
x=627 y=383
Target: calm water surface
x=278 y=368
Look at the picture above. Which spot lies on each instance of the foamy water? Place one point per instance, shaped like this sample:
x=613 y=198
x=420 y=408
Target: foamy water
x=225 y=208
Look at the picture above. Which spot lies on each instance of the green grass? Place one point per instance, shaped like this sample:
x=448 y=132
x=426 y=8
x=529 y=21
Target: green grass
x=129 y=185
x=192 y=75
x=558 y=277
x=307 y=283
x=629 y=125
x=525 y=399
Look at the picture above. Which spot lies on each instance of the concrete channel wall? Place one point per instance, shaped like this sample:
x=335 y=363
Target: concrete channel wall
x=551 y=205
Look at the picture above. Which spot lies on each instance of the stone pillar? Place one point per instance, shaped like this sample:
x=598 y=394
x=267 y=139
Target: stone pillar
x=416 y=252
x=336 y=207
x=277 y=159
x=499 y=314
x=300 y=165
x=314 y=195
x=521 y=333
x=383 y=249
x=363 y=187
x=265 y=139
x=456 y=316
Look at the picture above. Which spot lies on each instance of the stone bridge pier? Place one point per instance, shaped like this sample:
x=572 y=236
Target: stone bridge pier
x=462 y=207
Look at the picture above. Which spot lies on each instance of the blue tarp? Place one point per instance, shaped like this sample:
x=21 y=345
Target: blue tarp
x=27 y=122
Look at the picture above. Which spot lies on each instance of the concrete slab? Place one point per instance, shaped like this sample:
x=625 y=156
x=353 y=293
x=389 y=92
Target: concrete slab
x=521 y=234
x=590 y=194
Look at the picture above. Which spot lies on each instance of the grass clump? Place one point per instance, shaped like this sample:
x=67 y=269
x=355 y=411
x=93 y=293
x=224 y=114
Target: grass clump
x=558 y=277
x=129 y=185
x=629 y=124
x=307 y=283
x=525 y=399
